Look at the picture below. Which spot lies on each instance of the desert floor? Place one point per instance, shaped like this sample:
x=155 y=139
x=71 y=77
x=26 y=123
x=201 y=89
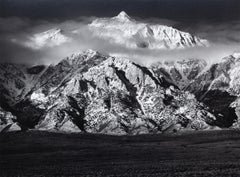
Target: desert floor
x=40 y=154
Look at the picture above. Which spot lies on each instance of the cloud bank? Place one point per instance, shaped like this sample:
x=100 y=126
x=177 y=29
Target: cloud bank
x=15 y=32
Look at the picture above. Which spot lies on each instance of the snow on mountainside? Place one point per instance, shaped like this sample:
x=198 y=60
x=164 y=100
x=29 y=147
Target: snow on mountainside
x=102 y=94
x=50 y=38
x=127 y=32
x=17 y=80
x=120 y=97
x=223 y=76
x=219 y=87
x=95 y=93
x=180 y=73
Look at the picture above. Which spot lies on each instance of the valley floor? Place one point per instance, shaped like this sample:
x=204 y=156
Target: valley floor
x=40 y=154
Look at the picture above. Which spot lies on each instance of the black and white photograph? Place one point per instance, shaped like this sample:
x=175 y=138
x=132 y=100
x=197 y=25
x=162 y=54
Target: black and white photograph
x=119 y=88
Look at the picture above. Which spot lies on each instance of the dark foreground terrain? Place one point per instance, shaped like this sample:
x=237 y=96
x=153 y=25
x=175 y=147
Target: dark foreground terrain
x=34 y=153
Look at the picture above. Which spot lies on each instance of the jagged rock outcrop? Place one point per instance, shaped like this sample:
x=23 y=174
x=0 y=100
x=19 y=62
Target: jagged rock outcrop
x=181 y=73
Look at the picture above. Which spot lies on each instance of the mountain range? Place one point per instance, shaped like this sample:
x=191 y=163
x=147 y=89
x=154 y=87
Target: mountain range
x=121 y=30
x=216 y=85
x=91 y=92
x=125 y=31
x=96 y=93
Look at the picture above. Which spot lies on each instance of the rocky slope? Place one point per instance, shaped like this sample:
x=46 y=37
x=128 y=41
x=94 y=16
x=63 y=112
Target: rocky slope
x=223 y=76
x=17 y=80
x=7 y=121
x=90 y=92
x=218 y=87
x=125 y=31
x=181 y=72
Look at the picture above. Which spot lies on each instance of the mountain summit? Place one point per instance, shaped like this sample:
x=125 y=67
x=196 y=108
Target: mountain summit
x=49 y=38
x=122 y=16
x=124 y=31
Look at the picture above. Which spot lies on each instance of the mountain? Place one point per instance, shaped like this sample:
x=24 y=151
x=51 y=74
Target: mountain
x=125 y=31
x=222 y=76
x=17 y=80
x=49 y=38
x=181 y=72
x=91 y=92
x=218 y=87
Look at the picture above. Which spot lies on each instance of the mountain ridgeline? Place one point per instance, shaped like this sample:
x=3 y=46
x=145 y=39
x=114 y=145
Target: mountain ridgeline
x=217 y=86
x=122 y=31
x=90 y=92
x=125 y=31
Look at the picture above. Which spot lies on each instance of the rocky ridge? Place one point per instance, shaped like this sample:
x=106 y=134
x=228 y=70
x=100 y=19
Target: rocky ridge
x=182 y=72
x=90 y=92
x=218 y=87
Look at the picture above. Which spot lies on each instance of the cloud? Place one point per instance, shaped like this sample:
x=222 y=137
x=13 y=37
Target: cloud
x=15 y=32
x=227 y=32
x=16 y=43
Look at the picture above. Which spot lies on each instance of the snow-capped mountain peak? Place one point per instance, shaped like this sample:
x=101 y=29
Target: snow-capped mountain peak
x=122 y=16
x=124 y=31
x=83 y=56
x=49 y=38
x=90 y=53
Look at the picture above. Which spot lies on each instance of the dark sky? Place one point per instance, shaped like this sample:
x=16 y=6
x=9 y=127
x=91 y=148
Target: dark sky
x=180 y=10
